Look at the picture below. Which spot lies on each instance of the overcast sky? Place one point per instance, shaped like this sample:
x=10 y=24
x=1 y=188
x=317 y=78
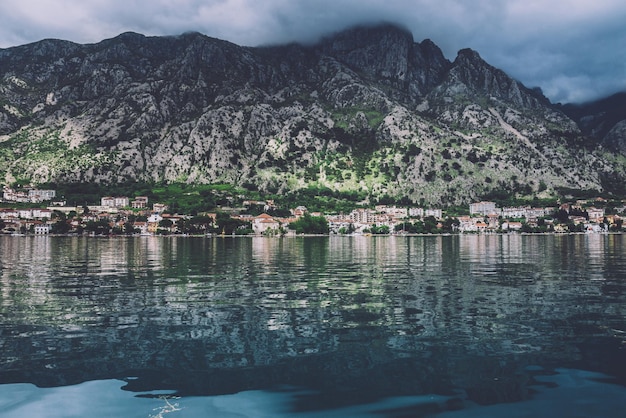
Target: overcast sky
x=575 y=50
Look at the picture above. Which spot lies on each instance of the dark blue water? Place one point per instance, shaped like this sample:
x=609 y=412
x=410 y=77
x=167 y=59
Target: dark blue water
x=333 y=326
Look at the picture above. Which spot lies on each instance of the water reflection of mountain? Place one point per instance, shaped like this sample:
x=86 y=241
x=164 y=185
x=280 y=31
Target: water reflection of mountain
x=357 y=314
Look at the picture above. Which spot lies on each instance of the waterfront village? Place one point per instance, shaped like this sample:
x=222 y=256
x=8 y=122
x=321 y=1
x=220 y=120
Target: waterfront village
x=137 y=216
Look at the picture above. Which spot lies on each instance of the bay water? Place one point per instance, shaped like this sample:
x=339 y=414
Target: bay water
x=394 y=326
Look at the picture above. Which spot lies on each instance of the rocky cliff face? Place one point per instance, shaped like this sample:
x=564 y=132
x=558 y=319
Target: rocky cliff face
x=367 y=109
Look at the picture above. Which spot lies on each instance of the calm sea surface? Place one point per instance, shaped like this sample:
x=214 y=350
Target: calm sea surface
x=444 y=326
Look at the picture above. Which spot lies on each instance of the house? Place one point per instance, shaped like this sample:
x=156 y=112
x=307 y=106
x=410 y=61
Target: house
x=25 y=213
x=141 y=226
x=15 y=196
x=361 y=216
x=264 y=222
x=175 y=219
x=299 y=211
x=42 y=228
x=435 y=213
x=140 y=202
x=394 y=211
x=42 y=213
x=466 y=224
x=121 y=202
x=538 y=212
x=247 y=203
x=511 y=226
x=8 y=214
x=115 y=202
x=153 y=222
x=159 y=207
x=416 y=212
x=515 y=212
x=103 y=216
x=595 y=214
x=37 y=196
x=481 y=226
x=493 y=220
x=561 y=228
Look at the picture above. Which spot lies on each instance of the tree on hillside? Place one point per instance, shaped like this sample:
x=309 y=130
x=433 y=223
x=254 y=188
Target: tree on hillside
x=379 y=229
x=129 y=229
x=308 y=224
x=100 y=227
x=430 y=225
x=199 y=224
x=224 y=224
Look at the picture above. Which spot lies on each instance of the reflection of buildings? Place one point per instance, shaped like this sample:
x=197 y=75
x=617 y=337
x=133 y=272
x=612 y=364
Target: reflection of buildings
x=494 y=248
x=363 y=249
x=16 y=256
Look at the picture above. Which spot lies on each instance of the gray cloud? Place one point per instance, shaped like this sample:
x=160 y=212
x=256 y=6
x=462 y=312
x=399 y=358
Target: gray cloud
x=573 y=49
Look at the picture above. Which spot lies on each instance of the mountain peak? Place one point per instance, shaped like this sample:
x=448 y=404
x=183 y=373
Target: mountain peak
x=469 y=54
x=130 y=36
x=471 y=74
x=387 y=53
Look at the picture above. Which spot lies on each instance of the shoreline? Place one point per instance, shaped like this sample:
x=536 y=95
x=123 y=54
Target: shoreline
x=313 y=235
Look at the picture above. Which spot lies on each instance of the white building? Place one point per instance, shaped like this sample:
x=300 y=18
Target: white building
x=140 y=202
x=416 y=212
x=435 y=213
x=264 y=222
x=482 y=208
x=393 y=211
x=538 y=212
x=361 y=216
x=515 y=212
x=159 y=207
x=42 y=229
x=37 y=196
x=595 y=214
x=115 y=202
x=25 y=213
x=42 y=213
x=153 y=223
x=8 y=214
x=511 y=226
x=122 y=202
x=11 y=195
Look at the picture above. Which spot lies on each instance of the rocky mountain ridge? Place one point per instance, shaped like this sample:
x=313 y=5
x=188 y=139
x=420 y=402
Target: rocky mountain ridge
x=367 y=110
x=604 y=120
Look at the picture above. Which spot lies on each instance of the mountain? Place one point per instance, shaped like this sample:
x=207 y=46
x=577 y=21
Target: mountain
x=367 y=110
x=604 y=120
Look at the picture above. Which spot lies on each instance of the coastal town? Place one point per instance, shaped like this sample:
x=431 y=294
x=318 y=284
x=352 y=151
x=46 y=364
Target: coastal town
x=38 y=212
